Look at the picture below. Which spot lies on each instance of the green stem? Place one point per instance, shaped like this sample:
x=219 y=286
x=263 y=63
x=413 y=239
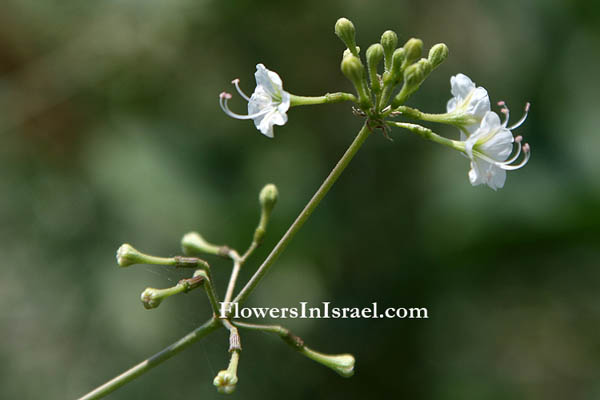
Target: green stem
x=343 y=364
x=153 y=361
x=305 y=214
x=328 y=98
x=453 y=118
x=429 y=135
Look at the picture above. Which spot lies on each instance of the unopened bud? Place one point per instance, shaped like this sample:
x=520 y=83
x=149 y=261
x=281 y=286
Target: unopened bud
x=343 y=364
x=344 y=29
x=413 y=75
x=151 y=298
x=194 y=243
x=397 y=62
x=354 y=70
x=268 y=197
x=226 y=379
x=425 y=66
x=413 y=48
x=374 y=57
x=437 y=54
x=127 y=255
x=225 y=382
x=389 y=41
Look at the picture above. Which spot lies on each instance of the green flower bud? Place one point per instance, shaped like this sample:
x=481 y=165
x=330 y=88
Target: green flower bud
x=374 y=57
x=389 y=41
x=425 y=66
x=127 y=255
x=343 y=364
x=225 y=382
x=413 y=48
x=151 y=298
x=226 y=379
x=354 y=70
x=268 y=197
x=397 y=62
x=344 y=29
x=194 y=243
x=413 y=77
x=437 y=54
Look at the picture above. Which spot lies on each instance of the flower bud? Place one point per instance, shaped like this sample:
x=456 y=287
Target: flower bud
x=413 y=77
x=413 y=48
x=225 y=382
x=374 y=57
x=194 y=243
x=151 y=298
x=389 y=41
x=268 y=197
x=226 y=379
x=397 y=61
x=425 y=66
x=354 y=70
x=437 y=54
x=127 y=255
x=344 y=29
x=343 y=364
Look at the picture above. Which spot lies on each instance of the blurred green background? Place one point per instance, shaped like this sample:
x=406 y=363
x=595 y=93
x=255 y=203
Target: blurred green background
x=111 y=132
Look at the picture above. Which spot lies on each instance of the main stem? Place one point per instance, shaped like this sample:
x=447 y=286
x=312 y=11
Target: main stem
x=153 y=361
x=306 y=212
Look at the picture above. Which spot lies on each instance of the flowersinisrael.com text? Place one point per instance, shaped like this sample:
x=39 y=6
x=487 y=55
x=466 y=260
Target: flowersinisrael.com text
x=325 y=310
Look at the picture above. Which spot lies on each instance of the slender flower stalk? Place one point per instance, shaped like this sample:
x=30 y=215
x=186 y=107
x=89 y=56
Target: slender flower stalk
x=343 y=364
x=305 y=214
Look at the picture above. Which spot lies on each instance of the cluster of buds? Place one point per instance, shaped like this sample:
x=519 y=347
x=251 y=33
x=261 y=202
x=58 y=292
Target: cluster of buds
x=402 y=67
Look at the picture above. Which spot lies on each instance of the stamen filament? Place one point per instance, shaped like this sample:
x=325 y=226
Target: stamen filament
x=523 y=118
x=236 y=82
x=223 y=97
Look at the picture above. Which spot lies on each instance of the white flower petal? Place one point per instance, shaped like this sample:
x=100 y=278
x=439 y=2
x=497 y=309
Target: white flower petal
x=452 y=104
x=499 y=146
x=479 y=102
x=269 y=81
x=461 y=85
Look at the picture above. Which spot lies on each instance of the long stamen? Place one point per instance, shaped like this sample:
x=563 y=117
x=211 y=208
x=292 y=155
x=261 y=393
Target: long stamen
x=518 y=140
x=504 y=110
x=523 y=118
x=503 y=165
x=236 y=82
x=224 y=97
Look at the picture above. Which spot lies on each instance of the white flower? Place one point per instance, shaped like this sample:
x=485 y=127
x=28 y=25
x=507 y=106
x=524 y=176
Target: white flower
x=268 y=104
x=490 y=146
x=470 y=103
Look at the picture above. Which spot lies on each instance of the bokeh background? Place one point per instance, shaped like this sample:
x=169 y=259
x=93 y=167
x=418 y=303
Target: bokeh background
x=111 y=132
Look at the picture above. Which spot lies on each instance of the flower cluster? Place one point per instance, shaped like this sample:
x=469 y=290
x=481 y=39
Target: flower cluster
x=488 y=142
x=484 y=139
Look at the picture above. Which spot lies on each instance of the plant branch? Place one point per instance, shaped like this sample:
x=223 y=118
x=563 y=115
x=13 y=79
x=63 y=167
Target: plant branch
x=153 y=361
x=305 y=214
